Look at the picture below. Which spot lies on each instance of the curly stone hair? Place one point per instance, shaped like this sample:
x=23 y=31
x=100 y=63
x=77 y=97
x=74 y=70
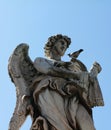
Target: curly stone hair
x=52 y=40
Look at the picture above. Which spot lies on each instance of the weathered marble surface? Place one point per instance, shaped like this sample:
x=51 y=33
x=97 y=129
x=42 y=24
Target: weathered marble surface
x=57 y=95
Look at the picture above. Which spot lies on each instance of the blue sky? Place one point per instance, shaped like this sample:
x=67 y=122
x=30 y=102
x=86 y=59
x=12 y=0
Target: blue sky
x=86 y=22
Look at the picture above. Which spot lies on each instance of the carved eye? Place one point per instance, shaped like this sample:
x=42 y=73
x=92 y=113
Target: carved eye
x=62 y=42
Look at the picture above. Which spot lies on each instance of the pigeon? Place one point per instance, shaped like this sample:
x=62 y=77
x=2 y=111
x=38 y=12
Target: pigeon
x=75 y=54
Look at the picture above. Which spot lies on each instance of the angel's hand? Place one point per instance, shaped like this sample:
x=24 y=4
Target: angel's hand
x=25 y=106
x=30 y=109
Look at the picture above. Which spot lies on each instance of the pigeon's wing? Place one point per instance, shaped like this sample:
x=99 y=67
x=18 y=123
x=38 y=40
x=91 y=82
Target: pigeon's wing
x=22 y=73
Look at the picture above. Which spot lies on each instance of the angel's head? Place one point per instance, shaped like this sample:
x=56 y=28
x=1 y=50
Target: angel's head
x=56 y=45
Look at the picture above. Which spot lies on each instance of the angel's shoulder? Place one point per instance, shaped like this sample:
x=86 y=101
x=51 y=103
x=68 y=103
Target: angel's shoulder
x=41 y=60
x=43 y=64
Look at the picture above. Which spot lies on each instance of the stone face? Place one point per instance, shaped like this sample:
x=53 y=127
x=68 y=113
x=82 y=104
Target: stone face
x=57 y=95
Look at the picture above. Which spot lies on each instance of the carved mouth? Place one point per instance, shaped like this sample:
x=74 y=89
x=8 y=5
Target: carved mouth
x=62 y=48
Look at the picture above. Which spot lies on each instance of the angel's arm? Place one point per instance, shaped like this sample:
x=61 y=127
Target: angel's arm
x=47 y=67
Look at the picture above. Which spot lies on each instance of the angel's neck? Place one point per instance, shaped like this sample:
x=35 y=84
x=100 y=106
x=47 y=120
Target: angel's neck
x=55 y=57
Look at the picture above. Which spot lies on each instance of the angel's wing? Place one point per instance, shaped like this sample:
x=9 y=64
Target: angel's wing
x=22 y=73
